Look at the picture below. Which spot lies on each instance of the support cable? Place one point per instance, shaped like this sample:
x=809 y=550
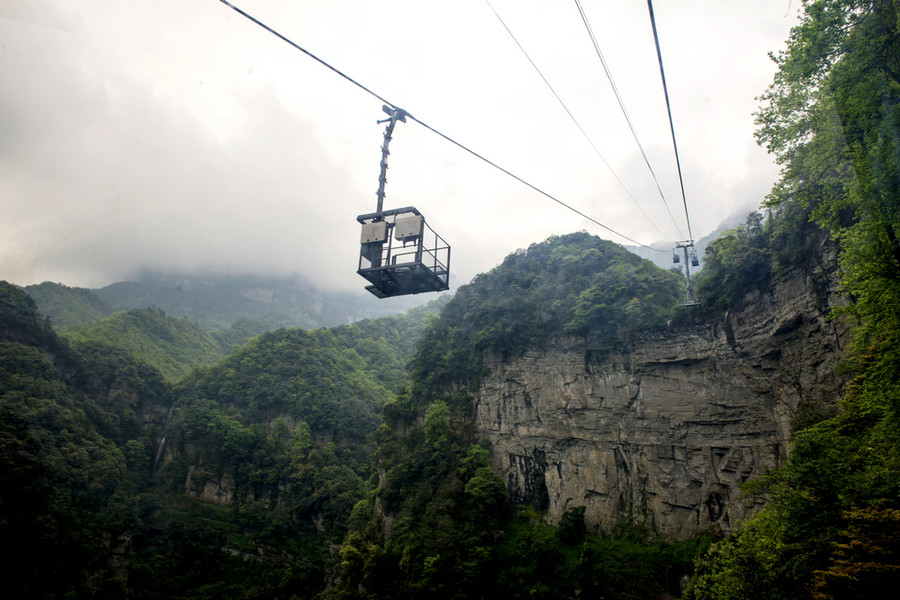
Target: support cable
x=574 y=120
x=433 y=130
x=615 y=89
x=662 y=74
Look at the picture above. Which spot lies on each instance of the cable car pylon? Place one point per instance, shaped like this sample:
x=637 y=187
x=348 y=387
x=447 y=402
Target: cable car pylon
x=422 y=262
x=690 y=260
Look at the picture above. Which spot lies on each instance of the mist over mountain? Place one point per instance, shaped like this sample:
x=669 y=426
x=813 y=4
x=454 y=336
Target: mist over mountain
x=216 y=301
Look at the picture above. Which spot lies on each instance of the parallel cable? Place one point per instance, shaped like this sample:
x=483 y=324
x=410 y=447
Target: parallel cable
x=662 y=74
x=303 y=50
x=535 y=188
x=574 y=120
x=615 y=89
x=432 y=129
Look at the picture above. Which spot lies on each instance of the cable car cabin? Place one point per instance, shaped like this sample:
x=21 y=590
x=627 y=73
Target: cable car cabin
x=400 y=254
x=675 y=258
x=695 y=262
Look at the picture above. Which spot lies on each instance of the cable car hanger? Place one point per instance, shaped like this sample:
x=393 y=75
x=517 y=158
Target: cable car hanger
x=422 y=262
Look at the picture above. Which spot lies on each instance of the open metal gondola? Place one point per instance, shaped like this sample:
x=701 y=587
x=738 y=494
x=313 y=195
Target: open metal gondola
x=399 y=253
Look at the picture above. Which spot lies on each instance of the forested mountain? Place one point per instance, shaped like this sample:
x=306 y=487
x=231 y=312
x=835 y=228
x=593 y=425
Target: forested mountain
x=116 y=482
x=174 y=346
x=439 y=523
x=267 y=453
x=68 y=307
x=317 y=464
x=215 y=302
x=75 y=450
x=575 y=284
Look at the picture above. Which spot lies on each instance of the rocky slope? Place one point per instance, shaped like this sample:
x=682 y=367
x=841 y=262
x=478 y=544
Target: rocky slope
x=662 y=431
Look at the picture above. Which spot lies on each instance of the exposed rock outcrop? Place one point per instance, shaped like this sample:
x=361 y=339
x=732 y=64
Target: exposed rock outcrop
x=662 y=431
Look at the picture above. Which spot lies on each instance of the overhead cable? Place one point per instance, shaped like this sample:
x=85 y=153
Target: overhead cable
x=662 y=74
x=615 y=89
x=574 y=120
x=428 y=127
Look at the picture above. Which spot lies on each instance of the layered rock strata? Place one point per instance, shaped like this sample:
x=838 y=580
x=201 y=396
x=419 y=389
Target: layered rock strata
x=661 y=432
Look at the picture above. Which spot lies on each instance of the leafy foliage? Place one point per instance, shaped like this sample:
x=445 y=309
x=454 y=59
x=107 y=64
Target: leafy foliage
x=832 y=118
x=172 y=345
x=439 y=524
x=68 y=307
x=91 y=505
x=69 y=466
x=521 y=557
x=747 y=259
x=576 y=284
x=21 y=322
x=736 y=263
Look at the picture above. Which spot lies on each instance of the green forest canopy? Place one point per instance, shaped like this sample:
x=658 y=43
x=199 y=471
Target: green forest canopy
x=309 y=435
x=832 y=119
x=575 y=284
x=287 y=422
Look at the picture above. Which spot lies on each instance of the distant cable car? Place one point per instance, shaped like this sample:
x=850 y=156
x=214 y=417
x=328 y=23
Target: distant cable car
x=690 y=260
x=399 y=253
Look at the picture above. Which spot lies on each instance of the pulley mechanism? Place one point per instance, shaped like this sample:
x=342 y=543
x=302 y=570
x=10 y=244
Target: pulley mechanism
x=400 y=254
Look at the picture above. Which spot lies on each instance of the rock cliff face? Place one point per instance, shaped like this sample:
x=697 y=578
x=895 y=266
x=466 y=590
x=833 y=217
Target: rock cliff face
x=663 y=430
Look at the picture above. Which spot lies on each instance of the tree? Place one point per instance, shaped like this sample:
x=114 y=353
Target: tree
x=865 y=558
x=571 y=529
x=736 y=262
x=832 y=119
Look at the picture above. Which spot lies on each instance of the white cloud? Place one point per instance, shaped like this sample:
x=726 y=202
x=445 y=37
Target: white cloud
x=179 y=135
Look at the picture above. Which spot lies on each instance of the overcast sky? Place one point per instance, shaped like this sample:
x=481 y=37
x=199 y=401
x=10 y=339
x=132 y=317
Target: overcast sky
x=177 y=135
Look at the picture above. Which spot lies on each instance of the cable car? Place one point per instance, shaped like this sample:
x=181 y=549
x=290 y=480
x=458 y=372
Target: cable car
x=399 y=253
x=690 y=260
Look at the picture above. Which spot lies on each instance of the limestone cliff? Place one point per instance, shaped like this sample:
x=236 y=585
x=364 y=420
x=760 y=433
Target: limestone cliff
x=664 y=429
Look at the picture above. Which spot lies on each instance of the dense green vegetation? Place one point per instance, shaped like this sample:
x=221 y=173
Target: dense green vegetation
x=215 y=301
x=440 y=527
x=313 y=464
x=747 y=259
x=576 y=284
x=68 y=307
x=282 y=429
x=265 y=456
x=451 y=531
x=73 y=455
x=174 y=346
x=832 y=118
x=300 y=440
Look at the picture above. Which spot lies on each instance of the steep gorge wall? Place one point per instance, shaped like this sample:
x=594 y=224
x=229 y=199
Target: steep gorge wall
x=663 y=431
